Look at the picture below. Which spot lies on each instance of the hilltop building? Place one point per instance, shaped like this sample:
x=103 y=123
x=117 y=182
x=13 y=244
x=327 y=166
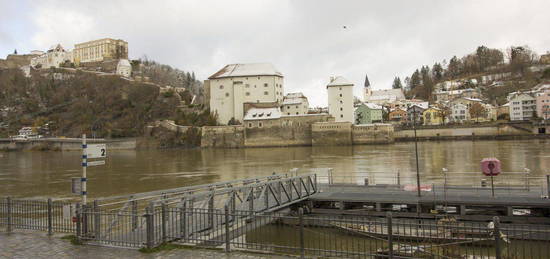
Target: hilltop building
x=124 y=68
x=100 y=50
x=236 y=84
x=368 y=113
x=383 y=97
x=54 y=57
x=340 y=99
x=295 y=104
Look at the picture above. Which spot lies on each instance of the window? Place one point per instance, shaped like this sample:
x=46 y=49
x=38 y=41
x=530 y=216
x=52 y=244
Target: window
x=340 y=95
x=341 y=116
x=266 y=93
x=341 y=109
x=260 y=124
x=247 y=93
x=340 y=88
x=296 y=113
x=341 y=102
x=226 y=94
x=288 y=113
x=296 y=106
x=250 y=125
x=265 y=85
x=246 y=86
x=288 y=107
x=221 y=86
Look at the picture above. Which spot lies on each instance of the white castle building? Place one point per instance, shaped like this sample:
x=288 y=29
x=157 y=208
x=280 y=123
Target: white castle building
x=54 y=57
x=236 y=84
x=340 y=99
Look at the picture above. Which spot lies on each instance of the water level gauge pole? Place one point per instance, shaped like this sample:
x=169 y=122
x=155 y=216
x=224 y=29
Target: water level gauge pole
x=84 y=165
x=416 y=153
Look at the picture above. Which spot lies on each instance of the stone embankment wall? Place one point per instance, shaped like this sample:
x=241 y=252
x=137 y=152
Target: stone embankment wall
x=331 y=133
x=283 y=132
x=344 y=133
x=63 y=144
x=501 y=131
x=223 y=136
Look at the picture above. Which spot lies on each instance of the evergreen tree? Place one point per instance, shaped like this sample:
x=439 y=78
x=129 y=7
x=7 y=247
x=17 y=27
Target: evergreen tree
x=437 y=72
x=15 y=52
x=397 y=83
x=415 y=80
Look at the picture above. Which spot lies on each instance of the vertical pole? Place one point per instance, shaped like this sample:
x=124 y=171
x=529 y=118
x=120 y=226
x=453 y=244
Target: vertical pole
x=548 y=186
x=496 y=233
x=150 y=236
x=227 y=239
x=416 y=155
x=301 y=222
x=330 y=180
x=50 y=230
x=183 y=217
x=97 y=220
x=134 y=215
x=390 y=234
x=398 y=178
x=211 y=211
x=251 y=201
x=8 y=201
x=78 y=221
x=492 y=185
x=163 y=223
x=84 y=165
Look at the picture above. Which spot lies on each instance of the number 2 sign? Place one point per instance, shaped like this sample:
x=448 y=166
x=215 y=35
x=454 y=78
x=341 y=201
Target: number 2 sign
x=96 y=151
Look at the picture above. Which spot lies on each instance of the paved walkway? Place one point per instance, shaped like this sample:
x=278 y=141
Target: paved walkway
x=39 y=245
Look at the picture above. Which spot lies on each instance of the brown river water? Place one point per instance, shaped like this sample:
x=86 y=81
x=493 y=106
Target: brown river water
x=47 y=174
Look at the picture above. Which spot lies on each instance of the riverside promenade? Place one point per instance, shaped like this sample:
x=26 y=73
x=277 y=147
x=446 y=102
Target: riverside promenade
x=39 y=245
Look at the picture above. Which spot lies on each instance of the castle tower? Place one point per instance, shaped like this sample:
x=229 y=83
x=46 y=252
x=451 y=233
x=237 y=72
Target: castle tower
x=340 y=99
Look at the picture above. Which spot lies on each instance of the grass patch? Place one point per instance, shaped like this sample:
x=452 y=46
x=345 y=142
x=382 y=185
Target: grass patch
x=161 y=247
x=73 y=239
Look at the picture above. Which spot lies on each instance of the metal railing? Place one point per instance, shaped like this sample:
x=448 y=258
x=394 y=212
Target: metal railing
x=517 y=183
x=44 y=215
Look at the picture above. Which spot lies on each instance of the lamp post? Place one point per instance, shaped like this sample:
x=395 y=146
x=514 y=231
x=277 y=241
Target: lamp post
x=416 y=153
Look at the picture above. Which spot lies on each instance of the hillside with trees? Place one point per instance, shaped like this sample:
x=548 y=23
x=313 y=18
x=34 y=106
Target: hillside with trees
x=70 y=104
x=484 y=60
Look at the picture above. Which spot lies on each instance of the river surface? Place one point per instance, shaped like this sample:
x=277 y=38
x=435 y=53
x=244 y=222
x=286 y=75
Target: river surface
x=47 y=174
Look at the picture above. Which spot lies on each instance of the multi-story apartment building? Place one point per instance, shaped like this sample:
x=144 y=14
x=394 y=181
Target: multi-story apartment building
x=295 y=104
x=236 y=84
x=522 y=107
x=99 y=50
x=340 y=99
x=543 y=104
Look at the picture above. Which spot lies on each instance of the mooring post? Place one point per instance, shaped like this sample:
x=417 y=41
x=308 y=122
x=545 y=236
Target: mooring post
x=150 y=227
x=301 y=222
x=78 y=221
x=527 y=171
x=390 y=234
x=183 y=218
x=227 y=239
x=97 y=220
x=398 y=178
x=50 y=230
x=548 y=186
x=134 y=214
x=496 y=233
x=163 y=218
x=9 y=204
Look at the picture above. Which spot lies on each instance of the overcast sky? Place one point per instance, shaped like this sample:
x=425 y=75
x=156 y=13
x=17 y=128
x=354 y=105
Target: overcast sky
x=305 y=40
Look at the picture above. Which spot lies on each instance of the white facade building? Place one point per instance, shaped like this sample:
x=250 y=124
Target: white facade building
x=522 y=107
x=54 y=57
x=383 y=97
x=340 y=99
x=295 y=104
x=459 y=113
x=124 y=68
x=237 y=84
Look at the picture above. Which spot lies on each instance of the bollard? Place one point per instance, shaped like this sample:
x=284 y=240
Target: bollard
x=390 y=234
x=134 y=215
x=227 y=239
x=496 y=233
x=163 y=223
x=9 y=204
x=301 y=222
x=50 y=230
x=78 y=222
x=150 y=225
x=97 y=220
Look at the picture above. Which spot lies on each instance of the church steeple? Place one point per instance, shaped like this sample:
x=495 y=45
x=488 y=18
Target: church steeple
x=367 y=83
